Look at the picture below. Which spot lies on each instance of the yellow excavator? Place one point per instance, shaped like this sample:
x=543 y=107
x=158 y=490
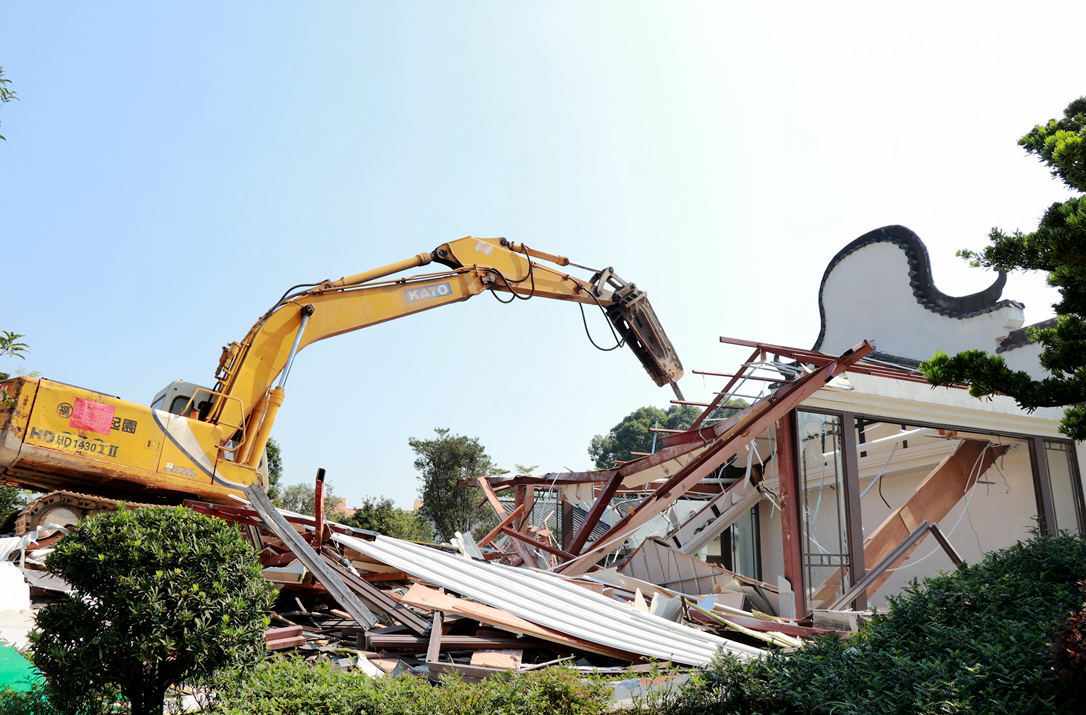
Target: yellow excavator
x=89 y=449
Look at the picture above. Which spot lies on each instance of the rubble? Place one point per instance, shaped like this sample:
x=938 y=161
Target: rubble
x=518 y=599
x=383 y=605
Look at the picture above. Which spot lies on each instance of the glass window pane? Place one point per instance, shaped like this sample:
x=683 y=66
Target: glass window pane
x=745 y=547
x=822 y=481
x=1063 y=478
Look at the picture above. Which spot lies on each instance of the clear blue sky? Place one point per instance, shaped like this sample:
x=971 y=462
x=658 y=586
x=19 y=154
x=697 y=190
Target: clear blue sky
x=170 y=170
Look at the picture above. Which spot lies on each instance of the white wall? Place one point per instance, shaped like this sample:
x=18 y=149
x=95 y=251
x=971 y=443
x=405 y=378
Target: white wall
x=868 y=296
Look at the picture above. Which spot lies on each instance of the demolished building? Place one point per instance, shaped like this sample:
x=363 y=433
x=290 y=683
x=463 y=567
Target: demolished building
x=851 y=475
x=846 y=477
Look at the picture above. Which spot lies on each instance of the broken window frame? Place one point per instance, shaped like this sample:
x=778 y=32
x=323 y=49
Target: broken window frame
x=1038 y=451
x=1066 y=448
x=845 y=559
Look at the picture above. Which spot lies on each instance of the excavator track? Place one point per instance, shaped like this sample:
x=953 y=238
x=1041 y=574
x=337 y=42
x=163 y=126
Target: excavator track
x=64 y=508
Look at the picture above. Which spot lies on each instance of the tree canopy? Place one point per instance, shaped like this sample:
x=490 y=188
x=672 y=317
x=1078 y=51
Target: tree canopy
x=633 y=433
x=160 y=596
x=6 y=95
x=11 y=499
x=382 y=516
x=275 y=468
x=442 y=463
x=1057 y=247
x=302 y=498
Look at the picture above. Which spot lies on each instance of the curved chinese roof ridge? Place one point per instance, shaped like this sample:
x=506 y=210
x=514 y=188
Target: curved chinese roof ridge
x=920 y=279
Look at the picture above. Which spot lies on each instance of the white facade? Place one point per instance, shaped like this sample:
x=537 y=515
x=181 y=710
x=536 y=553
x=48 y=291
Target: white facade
x=879 y=288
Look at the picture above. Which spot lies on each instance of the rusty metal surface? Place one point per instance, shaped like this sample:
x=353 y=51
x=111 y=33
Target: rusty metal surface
x=22 y=391
x=729 y=437
x=31 y=515
x=275 y=522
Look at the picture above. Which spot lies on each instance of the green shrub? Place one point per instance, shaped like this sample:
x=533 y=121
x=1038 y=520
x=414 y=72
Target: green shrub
x=291 y=686
x=973 y=641
x=160 y=596
x=1069 y=646
x=30 y=702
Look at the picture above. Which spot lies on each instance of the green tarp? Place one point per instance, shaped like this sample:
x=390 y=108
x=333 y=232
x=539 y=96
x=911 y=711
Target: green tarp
x=16 y=672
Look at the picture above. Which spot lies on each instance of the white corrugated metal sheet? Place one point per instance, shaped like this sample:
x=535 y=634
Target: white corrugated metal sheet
x=548 y=600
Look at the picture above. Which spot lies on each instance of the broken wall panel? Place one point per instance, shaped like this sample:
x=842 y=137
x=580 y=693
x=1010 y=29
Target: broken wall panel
x=657 y=563
x=998 y=511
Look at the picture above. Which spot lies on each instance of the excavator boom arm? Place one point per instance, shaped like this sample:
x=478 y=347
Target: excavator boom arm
x=248 y=369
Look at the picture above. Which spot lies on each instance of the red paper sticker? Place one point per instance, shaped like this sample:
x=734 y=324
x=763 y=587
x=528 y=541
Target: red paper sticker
x=91 y=416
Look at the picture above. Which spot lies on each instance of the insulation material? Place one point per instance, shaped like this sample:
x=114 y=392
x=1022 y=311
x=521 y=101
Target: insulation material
x=16 y=618
x=668 y=568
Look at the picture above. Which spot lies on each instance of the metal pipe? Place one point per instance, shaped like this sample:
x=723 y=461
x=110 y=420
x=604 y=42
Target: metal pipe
x=306 y=312
x=255 y=418
x=552 y=257
x=587 y=268
x=275 y=401
x=420 y=260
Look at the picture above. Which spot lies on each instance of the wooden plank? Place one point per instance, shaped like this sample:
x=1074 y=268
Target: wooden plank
x=933 y=499
x=536 y=543
x=285 y=643
x=855 y=594
x=434 y=643
x=468 y=673
x=273 y=634
x=497 y=530
x=382 y=576
x=422 y=597
x=433 y=650
x=597 y=511
x=504 y=659
x=755 y=624
x=521 y=549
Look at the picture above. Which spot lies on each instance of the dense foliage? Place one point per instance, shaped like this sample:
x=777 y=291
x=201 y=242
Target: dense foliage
x=159 y=596
x=1057 y=247
x=29 y=702
x=275 y=468
x=6 y=95
x=442 y=464
x=382 y=516
x=633 y=433
x=11 y=498
x=302 y=498
x=286 y=686
x=1069 y=646
x=973 y=641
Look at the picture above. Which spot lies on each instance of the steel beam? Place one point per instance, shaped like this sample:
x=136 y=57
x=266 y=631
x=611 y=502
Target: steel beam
x=757 y=419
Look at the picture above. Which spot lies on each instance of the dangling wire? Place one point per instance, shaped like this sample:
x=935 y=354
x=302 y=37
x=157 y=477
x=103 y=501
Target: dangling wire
x=509 y=282
x=618 y=343
x=878 y=479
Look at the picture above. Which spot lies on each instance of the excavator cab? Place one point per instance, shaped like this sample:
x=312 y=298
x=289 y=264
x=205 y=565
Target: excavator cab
x=177 y=395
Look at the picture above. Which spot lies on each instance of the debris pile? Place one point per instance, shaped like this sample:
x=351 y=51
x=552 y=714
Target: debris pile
x=387 y=606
